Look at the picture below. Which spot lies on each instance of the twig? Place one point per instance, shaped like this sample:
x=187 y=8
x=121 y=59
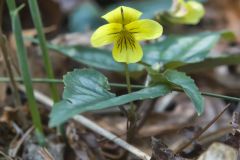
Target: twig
x=6 y=156
x=202 y=131
x=94 y=127
x=13 y=152
x=5 y=52
x=213 y=136
x=45 y=154
x=144 y=111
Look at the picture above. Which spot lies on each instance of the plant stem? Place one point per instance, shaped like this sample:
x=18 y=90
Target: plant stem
x=22 y=58
x=36 y=17
x=214 y=95
x=5 y=52
x=220 y=96
x=46 y=80
x=128 y=78
x=131 y=124
x=34 y=80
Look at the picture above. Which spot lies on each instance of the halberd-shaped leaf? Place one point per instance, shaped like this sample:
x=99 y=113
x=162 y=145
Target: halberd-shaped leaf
x=187 y=48
x=174 y=49
x=87 y=90
x=210 y=63
x=187 y=84
x=98 y=58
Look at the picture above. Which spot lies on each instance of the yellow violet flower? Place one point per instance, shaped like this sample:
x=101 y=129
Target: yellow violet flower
x=125 y=30
x=189 y=12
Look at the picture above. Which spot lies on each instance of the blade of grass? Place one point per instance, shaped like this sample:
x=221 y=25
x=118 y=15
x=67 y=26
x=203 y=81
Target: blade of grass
x=22 y=58
x=45 y=80
x=36 y=17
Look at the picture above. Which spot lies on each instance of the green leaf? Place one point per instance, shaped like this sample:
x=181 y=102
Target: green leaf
x=94 y=57
x=87 y=90
x=189 y=87
x=210 y=63
x=184 y=49
x=174 y=51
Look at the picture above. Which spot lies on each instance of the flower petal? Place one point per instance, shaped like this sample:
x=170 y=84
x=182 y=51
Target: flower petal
x=195 y=12
x=127 y=50
x=145 y=29
x=123 y=15
x=178 y=8
x=105 y=34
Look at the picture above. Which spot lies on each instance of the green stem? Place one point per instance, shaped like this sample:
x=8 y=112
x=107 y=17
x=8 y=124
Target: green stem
x=128 y=78
x=22 y=58
x=46 y=80
x=213 y=95
x=220 y=96
x=131 y=124
x=34 y=80
x=36 y=17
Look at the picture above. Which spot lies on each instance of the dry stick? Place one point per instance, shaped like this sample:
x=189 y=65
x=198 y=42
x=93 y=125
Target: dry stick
x=94 y=127
x=5 y=156
x=213 y=136
x=46 y=155
x=5 y=52
x=203 y=130
x=144 y=112
x=14 y=151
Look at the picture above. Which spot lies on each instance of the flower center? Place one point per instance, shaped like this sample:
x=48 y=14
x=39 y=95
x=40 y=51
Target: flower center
x=125 y=40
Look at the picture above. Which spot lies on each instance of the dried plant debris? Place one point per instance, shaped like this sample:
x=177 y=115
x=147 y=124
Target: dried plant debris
x=161 y=151
x=83 y=143
x=32 y=151
x=219 y=151
x=233 y=138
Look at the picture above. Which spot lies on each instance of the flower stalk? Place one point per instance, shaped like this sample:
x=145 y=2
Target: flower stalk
x=131 y=122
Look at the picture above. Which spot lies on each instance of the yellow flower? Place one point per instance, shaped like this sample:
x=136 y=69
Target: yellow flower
x=125 y=30
x=189 y=12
